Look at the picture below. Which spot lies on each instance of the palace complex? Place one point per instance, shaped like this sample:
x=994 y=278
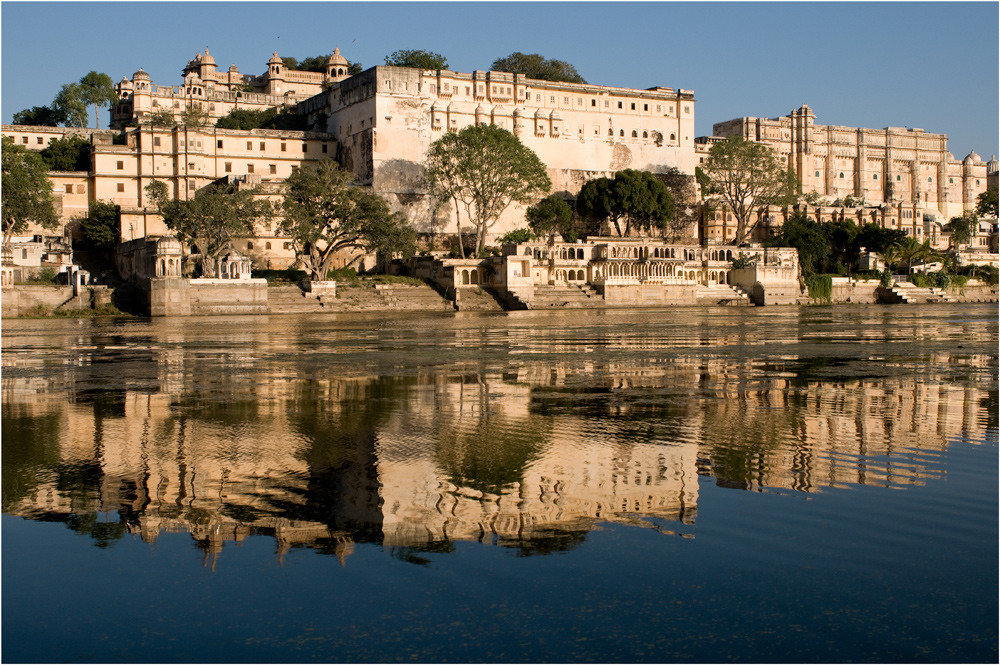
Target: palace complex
x=380 y=123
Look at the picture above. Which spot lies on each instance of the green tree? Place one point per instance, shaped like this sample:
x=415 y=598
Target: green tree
x=986 y=204
x=961 y=228
x=69 y=104
x=417 y=59
x=97 y=89
x=44 y=116
x=876 y=239
x=326 y=214
x=71 y=153
x=537 y=67
x=550 y=215
x=194 y=116
x=746 y=177
x=633 y=200
x=272 y=118
x=807 y=236
x=101 y=228
x=517 y=236
x=484 y=168
x=27 y=191
x=290 y=63
x=162 y=118
x=354 y=68
x=213 y=218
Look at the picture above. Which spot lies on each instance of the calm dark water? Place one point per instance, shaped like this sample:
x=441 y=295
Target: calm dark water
x=766 y=485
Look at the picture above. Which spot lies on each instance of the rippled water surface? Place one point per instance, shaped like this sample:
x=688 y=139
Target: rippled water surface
x=762 y=485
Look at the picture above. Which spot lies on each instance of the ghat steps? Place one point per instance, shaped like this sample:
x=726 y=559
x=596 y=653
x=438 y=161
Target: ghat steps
x=722 y=294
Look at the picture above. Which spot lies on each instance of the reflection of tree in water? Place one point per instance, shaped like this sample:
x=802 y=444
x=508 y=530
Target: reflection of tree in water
x=487 y=451
x=739 y=439
x=30 y=444
x=341 y=420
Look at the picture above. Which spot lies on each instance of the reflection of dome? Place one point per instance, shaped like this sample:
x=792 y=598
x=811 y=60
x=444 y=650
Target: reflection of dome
x=336 y=58
x=140 y=75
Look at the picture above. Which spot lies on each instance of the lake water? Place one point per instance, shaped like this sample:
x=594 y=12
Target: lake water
x=705 y=484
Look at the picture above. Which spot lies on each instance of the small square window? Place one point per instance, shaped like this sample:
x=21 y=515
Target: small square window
x=607 y=103
x=40 y=140
x=565 y=100
x=552 y=99
x=249 y=145
x=305 y=147
x=121 y=165
x=645 y=107
x=593 y=102
x=274 y=168
x=249 y=168
x=874 y=176
x=261 y=145
x=282 y=146
x=218 y=144
x=69 y=189
x=156 y=141
x=659 y=108
x=229 y=167
x=633 y=106
x=190 y=185
x=619 y=104
x=324 y=148
x=24 y=140
x=121 y=187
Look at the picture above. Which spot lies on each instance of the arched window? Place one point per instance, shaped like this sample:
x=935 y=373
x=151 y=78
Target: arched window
x=645 y=135
x=621 y=132
x=249 y=245
x=635 y=134
x=673 y=137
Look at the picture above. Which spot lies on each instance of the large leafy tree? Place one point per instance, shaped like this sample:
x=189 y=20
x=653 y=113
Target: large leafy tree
x=986 y=204
x=632 y=200
x=45 y=116
x=537 y=67
x=746 y=177
x=69 y=104
x=417 y=59
x=27 y=191
x=317 y=63
x=325 y=214
x=98 y=89
x=101 y=228
x=483 y=169
x=246 y=119
x=961 y=228
x=70 y=153
x=213 y=218
x=550 y=215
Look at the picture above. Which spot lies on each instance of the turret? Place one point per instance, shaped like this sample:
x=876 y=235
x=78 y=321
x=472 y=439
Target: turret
x=336 y=66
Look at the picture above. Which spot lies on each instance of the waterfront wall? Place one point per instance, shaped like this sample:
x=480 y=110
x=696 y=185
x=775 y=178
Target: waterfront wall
x=25 y=300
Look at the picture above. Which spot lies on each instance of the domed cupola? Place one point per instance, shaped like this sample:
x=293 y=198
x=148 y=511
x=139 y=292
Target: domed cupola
x=336 y=66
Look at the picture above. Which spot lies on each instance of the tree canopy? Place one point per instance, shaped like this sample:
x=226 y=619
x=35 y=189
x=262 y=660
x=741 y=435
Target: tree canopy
x=45 y=116
x=986 y=204
x=961 y=228
x=213 y=218
x=264 y=119
x=746 y=177
x=632 y=200
x=483 y=169
x=97 y=89
x=27 y=191
x=417 y=59
x=317 y=63
x=834 y=247
x=550 y=215
x=325 y=214
x=537 y=67
x=70 y=153
x=101 y=228
x=70 y=106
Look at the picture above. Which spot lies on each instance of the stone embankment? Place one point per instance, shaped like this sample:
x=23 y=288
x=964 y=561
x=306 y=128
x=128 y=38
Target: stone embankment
x=232 y=298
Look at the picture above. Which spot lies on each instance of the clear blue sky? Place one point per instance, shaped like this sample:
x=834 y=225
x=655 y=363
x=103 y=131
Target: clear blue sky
x=903 y=64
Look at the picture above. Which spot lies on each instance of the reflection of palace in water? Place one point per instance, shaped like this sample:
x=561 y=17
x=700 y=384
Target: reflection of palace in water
x=532 y=458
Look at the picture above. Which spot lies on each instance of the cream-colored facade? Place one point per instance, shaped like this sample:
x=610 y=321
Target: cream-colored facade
x=219 y=92
x=905 y=167
x=386 y=118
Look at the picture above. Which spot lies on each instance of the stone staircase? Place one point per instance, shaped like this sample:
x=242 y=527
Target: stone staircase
x=908 y=293
x=382 y=298
x=476 y=300
x=564 y=296
x=722 y=294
